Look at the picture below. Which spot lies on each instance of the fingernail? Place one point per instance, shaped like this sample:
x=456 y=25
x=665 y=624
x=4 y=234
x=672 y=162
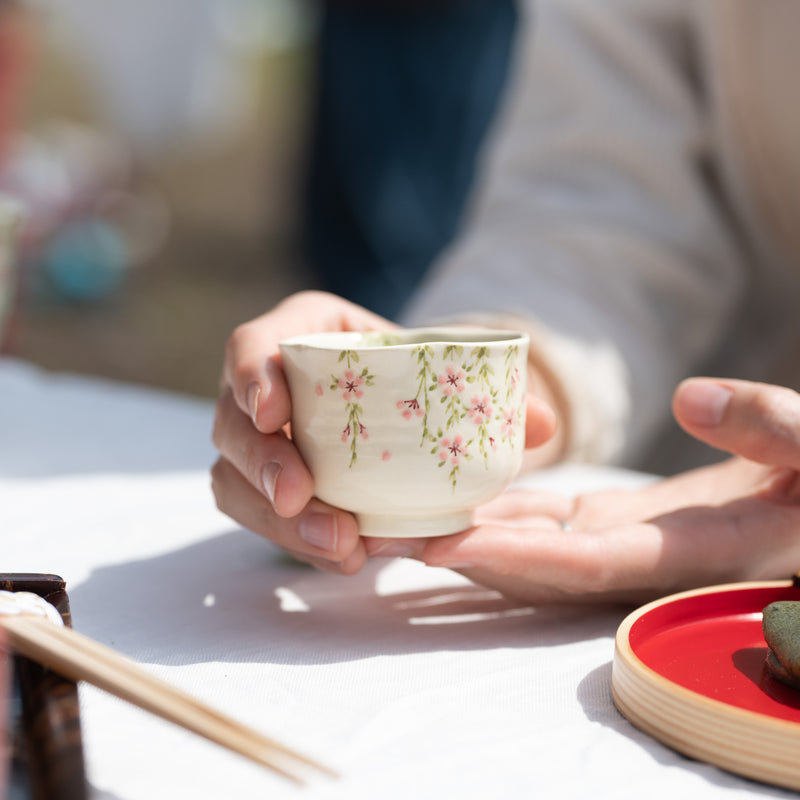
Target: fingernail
x=319 y=530
x=269 y=479
x=253 y=393
x=392 y=550
x=703 y=402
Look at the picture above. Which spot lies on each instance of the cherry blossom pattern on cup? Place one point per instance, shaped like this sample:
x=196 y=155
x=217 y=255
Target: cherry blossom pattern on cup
x=511 y=414
x=351 y=385
x=469 y=417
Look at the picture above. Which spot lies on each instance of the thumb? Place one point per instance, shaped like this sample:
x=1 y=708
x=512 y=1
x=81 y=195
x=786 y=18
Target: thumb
x=540 y=422
x=757 y=421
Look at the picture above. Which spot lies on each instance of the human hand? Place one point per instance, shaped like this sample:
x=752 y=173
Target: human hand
x=738 y=520
x=260 y=479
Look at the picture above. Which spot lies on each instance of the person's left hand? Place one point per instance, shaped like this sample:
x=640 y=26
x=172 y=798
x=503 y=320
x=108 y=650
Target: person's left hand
x=738 y=520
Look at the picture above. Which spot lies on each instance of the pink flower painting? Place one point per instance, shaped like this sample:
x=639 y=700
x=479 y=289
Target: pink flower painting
x=509 y=425
x=410 y=408
x=351 y=383
x=452 y=450
x=452 y=380
x=480 y=409
x=351 y=387
x=455 y=426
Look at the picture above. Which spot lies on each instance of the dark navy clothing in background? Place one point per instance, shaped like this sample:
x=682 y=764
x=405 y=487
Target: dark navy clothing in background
x=405 y=96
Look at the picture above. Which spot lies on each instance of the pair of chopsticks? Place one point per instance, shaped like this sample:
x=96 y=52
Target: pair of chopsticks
x=80 y=658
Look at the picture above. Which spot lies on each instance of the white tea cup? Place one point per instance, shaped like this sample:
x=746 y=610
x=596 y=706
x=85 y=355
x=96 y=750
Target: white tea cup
x=409 y=430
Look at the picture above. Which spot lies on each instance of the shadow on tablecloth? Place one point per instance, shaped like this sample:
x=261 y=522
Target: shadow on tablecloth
x=237 y=598
x=594 y=695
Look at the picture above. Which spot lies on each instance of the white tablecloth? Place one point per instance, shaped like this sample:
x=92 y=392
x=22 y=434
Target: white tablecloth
x=410 y=681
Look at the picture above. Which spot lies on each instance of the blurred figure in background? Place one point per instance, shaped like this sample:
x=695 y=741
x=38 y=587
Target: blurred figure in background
x=640 y=220
x=406 y=93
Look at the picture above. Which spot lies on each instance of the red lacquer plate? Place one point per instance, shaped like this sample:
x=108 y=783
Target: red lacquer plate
x=689 y=670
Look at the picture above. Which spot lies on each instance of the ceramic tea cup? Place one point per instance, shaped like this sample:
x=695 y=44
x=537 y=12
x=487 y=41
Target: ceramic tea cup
x=409 y=430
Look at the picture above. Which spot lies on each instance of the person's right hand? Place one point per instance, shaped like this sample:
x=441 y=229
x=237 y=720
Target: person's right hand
x=737 y=520
x=260 y=479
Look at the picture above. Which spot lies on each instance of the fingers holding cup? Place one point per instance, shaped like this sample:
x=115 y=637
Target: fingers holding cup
x=318 y=533
x=270 y=462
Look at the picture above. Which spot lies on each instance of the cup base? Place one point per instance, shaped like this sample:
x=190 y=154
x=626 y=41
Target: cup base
x=388 y=526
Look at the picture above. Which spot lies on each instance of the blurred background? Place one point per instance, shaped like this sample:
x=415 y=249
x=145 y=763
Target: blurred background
x=157 y=148
x=182 y=163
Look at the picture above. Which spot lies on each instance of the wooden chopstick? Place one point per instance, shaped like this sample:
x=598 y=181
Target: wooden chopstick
x=82 y=659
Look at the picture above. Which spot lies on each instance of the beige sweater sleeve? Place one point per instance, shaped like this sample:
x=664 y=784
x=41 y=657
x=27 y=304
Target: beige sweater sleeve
x=587 y=385
x=594 y=222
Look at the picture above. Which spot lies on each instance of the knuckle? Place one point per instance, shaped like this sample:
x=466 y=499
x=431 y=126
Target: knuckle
x=241 y=374
x=252 y=458
x=218 y=484
x=778 y=421
x=232 y=345
x=766 y=405
x=350 y=567
x=238 y=335
x=216 y=431
x=303 y=297
x=236 y=344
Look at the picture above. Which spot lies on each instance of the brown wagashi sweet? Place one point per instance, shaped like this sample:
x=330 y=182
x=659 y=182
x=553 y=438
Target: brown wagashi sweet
x=781 y=626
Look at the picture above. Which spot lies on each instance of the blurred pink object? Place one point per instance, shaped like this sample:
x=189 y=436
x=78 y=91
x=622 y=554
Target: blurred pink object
x=17 y=52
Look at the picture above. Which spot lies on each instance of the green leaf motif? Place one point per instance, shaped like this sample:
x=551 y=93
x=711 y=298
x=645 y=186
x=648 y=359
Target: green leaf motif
x=349 y=356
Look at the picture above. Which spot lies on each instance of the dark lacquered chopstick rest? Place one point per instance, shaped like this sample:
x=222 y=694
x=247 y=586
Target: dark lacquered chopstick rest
x=50 y=737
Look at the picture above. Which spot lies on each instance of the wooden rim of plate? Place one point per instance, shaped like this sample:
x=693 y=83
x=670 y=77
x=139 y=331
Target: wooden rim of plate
x=739 y=740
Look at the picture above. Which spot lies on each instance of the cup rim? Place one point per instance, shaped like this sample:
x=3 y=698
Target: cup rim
x=405 y=338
